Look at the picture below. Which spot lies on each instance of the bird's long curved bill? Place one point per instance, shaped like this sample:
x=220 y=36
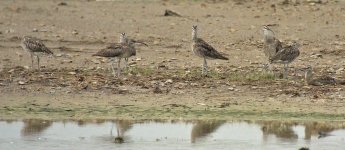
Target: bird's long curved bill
x=139 y=42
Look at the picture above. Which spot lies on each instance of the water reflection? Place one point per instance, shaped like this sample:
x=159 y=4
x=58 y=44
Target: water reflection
x=35 y=127
x=202 y=134
x=121 y=127
x=321 y=129
x=279 y=129
x=204 y=128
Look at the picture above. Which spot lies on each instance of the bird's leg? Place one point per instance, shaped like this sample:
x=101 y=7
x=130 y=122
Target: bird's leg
x=204 y=67
x=118 y=67
x=126 y=63
x=38 y=63
x=32 y=60
x=112 y=66
x=286 y=70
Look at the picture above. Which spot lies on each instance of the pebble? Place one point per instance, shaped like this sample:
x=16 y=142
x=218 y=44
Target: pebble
x=169 y=81
x=231 y=89
x=26 y=67
x=21 y=82
x=72 y=73
x=10 y=71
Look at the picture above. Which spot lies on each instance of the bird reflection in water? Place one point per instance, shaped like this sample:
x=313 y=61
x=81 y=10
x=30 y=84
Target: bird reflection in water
x=122 y=126
x=35 y=127
x=204 y=128
x=279 y=129
x=321 y=129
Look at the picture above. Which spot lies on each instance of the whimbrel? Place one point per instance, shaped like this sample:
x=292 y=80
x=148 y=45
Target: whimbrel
x=35 y=47
x=324 y=80
x=271 y=44
x=286 y=55
x=204 y=50
x=132 y=52
x=125 y=49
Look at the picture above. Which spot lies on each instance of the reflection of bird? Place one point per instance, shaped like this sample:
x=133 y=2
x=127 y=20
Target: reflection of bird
x=323 y=134
x=35 y=47
x=204 y=50
x=279 y=129
x=271 y=44
x=35 y=126
x=123 y=50
x=286 y=55
x=308 y=78
x=122 y=127
x=202 y=129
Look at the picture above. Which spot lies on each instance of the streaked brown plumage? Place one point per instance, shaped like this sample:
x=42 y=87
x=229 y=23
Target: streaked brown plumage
x=286 y=55
x=204 y=50
x=35 y=47
x=323 y=80
x=125 y=49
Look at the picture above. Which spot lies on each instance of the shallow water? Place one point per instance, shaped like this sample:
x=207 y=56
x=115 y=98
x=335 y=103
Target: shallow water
x=40 y=134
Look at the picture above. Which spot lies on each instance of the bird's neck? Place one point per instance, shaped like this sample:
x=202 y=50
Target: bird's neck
x=122 y=40
x=269 y=36
x=194 y=35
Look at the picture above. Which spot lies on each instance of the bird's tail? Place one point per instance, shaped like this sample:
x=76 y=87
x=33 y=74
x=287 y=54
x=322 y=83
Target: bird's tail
x=223 y=57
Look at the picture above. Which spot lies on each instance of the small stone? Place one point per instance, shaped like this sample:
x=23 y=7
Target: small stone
x=138 y=59
x=21 y=82
x=231 y=89
x=72 y=73
x=169 y=81
x=34 y=30
x=10 y=71
x=26 y=67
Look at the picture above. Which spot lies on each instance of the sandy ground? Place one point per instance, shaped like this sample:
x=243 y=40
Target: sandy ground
x=164 y=80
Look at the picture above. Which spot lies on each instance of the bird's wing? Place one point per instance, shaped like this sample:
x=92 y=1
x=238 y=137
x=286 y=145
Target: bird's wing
x=208 y=51
x=286 y=54
x=36 y=45
x=110 y=51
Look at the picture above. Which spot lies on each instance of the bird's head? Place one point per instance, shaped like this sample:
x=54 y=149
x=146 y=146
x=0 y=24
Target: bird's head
x=123 y=38
x=268 y=32
x=194 y=27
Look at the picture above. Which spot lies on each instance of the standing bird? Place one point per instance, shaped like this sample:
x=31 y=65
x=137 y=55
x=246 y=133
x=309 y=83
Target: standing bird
x=286 y=55
x=271 y=44
x=324 y=80
x=124 y=49
x=204 y=50
x=35 y=47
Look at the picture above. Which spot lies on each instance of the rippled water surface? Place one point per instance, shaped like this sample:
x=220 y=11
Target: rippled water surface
x=121 y=134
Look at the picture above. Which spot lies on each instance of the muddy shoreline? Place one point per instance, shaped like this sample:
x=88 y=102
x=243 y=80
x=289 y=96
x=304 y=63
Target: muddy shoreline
x=164 y=81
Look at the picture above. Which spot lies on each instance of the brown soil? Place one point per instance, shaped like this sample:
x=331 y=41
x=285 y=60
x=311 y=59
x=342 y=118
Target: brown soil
x=164 y=78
